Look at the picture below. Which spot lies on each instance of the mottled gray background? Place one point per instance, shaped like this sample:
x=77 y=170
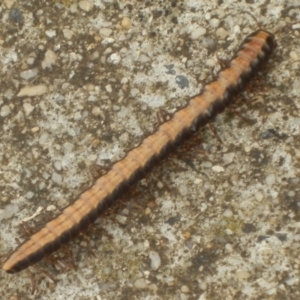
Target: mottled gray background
x=217 y=221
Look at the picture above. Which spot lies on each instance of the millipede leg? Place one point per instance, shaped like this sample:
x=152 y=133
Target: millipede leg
x=215 y=132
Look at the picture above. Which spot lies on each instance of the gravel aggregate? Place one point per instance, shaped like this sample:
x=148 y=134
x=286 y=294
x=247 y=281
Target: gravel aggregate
x=82 y=83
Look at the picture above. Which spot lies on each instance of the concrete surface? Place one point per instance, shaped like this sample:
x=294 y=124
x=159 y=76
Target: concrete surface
x=82 y=82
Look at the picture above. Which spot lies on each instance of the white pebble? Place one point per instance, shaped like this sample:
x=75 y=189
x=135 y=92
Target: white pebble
x=203 y=207
x=108 y=88
x=51 y=208
x=294 y=56
x=29 y=74
x=227 y=213
x=57 y=165
x=270 y=179
x=49 y=59
x=50 y=33
x=242 y=275
x=43 y=138
x=221 y=33
x=258 y=196
x=5 y=111
x=155 y=260
x=31 y=91
x=185 y=289
x=217 y=169
x=86 y=5
x=203 y=286
x=228 y=248
x=9 y=211
x=9 y=3
x=126 y=23
x=121 y=219
x=209 y=43
x=57 y=178
x=114 y=59
x=228 y=158
x=28 y=108
x=106 y=32
x=9 y=94
x=108 y=41
x=247 y=149
x=68 y=147
x=199 y=31
x=296 y=26
x=214 y=23
x=206 y=164
x=68 y=33
x=96 y=111
x=140 y=283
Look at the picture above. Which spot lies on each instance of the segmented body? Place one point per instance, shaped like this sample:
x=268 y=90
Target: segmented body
x=76 y=217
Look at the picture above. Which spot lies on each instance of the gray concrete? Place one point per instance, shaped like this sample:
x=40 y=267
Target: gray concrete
x=226 y=227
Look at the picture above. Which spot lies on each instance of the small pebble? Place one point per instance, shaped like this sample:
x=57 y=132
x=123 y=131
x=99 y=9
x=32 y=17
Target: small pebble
x=155 y=260
x=43 y=138
x=51 y=208
x=50 y=33
x=29 y=74
x=218 y=169
x=114 y=59
x=185 y=289
x=86 y=5
x=35 y=129
x=16 y=15
x=227 y=213
x=221 y=33
x=31 y=91
x=270 y=179
x=294 y=56
x=9 y=94
x=296 y=26
x=140 y=283
x=121 y=219
x=28 y=108
x=108 y=88
x=228 y=248
x=57 y=165
x=214 y=23
x=9 y=211
x=96 y=111
x=198 y=32
x=106 y=32
x=68 y=147
x=68 y=34
x=126 y=23
x=57 y=178
x=209 y=43
x=5 y=111
x=228 y=158
x=49 y=59
x=242 y=275
x=9 y=3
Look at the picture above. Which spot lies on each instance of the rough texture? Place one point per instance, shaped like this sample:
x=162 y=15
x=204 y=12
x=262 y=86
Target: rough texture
x=228 y=225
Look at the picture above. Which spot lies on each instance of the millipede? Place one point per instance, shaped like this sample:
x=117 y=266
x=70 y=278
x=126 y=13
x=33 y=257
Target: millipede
x=200 y=109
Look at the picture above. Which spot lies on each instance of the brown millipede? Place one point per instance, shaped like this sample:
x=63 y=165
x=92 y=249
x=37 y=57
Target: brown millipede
x=255 y=49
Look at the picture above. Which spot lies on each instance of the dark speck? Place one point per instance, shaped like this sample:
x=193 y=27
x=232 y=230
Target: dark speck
x=270 y=133
x=170 y=69
x=204 y=259
x=16 y=16
x=182 y=81
x=281 y=236
x=261 y=238
x=248 y=228
x=173 y=220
